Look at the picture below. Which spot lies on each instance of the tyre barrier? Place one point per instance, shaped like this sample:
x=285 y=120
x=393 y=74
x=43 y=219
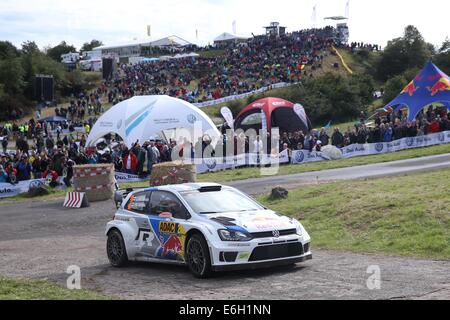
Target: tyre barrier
x=96 y=181
x=175 y=172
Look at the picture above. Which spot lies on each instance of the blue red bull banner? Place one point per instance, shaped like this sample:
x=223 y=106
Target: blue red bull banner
x=431 y=85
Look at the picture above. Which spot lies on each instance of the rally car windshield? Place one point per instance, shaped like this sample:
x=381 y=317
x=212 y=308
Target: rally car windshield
x=220 y=202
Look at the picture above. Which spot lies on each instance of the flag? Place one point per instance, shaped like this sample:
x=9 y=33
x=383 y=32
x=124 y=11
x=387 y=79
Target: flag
x=196 y=35
x=300 y=111
x=314 y=17
x=328 y=126
x=234 y=27
x=347 y=9
x=228 y=116
x=149 y=33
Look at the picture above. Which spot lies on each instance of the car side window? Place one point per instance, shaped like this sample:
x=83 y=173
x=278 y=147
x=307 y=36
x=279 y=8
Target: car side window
x=139 y=203
x=163 y=202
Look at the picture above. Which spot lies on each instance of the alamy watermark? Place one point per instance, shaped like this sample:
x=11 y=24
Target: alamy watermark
x=374 y=280
x=74 y=280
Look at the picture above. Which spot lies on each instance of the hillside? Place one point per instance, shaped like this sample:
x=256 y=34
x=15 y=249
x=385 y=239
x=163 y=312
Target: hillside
x=357 y=64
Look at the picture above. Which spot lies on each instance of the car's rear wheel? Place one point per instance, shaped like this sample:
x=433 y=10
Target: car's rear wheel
x=115 y=249
x=197 y=256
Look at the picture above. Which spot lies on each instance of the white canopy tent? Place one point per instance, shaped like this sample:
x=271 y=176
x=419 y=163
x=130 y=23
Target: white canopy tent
x=144 y=117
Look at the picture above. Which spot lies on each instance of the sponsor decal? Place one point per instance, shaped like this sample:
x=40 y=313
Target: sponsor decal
x=278 y=103
x=36 y=184
x=441 y=137
x=105 y=124
x=299 y=156
x=5 y=190
x=211 y=163
x=168 y=227
x=119 y=124
x=172 y=237
x=379 y=147
x=191 y=118
x=409 y=141
x=258 y=105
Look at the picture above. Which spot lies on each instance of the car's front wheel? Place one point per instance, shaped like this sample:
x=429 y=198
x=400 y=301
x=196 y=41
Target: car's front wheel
x=197 y=256
x=115 y=249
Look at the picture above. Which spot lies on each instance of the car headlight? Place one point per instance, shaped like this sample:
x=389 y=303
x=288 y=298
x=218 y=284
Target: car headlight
x=232 y=235
x=299 y=229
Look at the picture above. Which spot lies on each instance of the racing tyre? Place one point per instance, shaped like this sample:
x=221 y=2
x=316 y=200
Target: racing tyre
x=197 y=256
x=115 y=249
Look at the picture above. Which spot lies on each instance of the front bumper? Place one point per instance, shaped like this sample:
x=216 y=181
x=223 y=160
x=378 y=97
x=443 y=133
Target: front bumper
x=262 y=264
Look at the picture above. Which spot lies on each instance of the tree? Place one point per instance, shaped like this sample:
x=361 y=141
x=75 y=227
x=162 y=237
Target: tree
x=8 y=50
x=393 y=87
x=88 y=46
x=62 y=48
x=442 y=58
x=30 y=47
x=409 y=51
x=11 y=76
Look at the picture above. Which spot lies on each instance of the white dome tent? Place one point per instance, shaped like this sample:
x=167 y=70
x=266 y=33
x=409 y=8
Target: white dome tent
x=144 y=117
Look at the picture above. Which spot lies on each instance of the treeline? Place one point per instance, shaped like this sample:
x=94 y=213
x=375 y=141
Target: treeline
x=329 y=97
x=18 y=68
x=341 y=98
x=401 y=60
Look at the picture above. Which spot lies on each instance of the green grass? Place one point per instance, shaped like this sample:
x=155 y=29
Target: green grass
x=23 y=197
x=13 y=289
x=247 y=173
x=406 y=216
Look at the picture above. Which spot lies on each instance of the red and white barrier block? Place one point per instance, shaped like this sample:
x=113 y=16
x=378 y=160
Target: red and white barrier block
x=76 y=200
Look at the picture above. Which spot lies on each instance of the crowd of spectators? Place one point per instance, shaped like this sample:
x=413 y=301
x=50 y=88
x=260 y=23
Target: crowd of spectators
x=241 y=68
x=51 y=156
x=386 y=128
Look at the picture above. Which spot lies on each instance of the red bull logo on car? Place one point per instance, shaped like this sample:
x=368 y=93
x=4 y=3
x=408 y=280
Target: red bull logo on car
x=172 y=237
x=173 y=247
x=442 y=85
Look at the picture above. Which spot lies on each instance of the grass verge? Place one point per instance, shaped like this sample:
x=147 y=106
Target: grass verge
x=23 y=197
x=13 y=289
x=406 y=216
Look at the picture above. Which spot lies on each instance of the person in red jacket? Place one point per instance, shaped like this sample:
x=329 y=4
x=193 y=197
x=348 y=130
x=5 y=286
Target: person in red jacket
x=51 y=176
x=433 y=127
x=130 y=163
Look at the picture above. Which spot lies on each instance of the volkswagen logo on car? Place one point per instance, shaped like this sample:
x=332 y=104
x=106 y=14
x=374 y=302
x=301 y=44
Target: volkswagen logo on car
x=276 y=233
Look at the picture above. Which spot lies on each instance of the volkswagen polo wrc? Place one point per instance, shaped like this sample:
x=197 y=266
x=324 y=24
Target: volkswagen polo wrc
x=207 y=227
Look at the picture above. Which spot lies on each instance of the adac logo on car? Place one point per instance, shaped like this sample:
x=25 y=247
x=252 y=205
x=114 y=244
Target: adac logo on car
x=168 y=227
x=191 y=118
x=379 y=147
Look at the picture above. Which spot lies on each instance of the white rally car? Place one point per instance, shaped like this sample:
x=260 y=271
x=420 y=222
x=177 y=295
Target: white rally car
x=208 y=227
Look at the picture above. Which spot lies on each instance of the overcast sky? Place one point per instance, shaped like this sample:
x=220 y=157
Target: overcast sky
x=48 y=22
